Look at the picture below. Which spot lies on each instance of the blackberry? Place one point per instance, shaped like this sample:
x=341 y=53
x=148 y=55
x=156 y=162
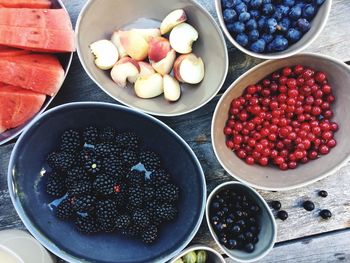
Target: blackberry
x=104 y=184
x=79 y=188
x=149 y=193
x=107 y=134
x=106 y=149
x=106 y=214
x=135 y=178
x=122 y=222
x=60 y=161
x=135 y=196
x=93 y=166
x=52 y=160
x=160 y=177
x=132 y=230
x=167 y=193
x=113 y=166
x=130 y=158
x=128 y=140
x=55 y=185
x=151 y=208
x=70 y=141
x=120 y=195
x=150 y=160
x=150 y=234
x=166 y=212
x=140 y=218
x=64 y=210
x=83 y=203
x=85 y=155
x=86 y=224
x=90 y=135
x=76 y=174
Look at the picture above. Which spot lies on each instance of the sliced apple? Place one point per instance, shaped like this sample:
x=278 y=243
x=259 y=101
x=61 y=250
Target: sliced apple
x=116 y=41
x=165 y=65
x=147 y=33
x=135 y=45
x=106 y=54
x=189 y=69
x=149 y=86
x=171 y=20
x=124 y=69
x=171 y=86
x=182 y=37
x=158 y=49
x=145 y=70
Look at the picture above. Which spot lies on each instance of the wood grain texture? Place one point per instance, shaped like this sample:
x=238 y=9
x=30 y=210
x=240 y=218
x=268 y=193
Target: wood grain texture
x=321 y=249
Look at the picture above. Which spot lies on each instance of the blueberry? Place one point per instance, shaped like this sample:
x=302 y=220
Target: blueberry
x=255 y=4
x=251 y=24
x=215 y=220
x=308 y=205
x=258 y=46
x=240 y=8
x=277 y=15
x=271 y=25
x=283 y=215
x=241 y=238
x=238 y=27
x=215 y=205
x=280 y=12
x=239 y=213
x=255 y=240
x=220 y=226
x=254 y=14
x=246 y=1
x=223 y=240
x=241 y=223
x=325 y=214
x=232 y=243
x=253 y=229
x=268 y=9
x=276 y=205
x=293 y=35
x=244 y=17
x=251 y=220
x=248 y=236
x=249 y=247
x=229 y=221
x=262 y=22
x=266 y=1
x=323 y=193
x=229 y=15
x=267 y=37
x=284 y=24
x=227 y=3
x=309 y=11
x=236 y=229
x=319 y=2
x=289 y=2
x=295 y=12
x=242 y=39
x=254 y=209
x=253 y=35
x=303 y=25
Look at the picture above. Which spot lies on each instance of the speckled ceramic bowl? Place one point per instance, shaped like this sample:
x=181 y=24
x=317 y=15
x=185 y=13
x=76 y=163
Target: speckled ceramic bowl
x=65 y=59
x=26 y=182
x=317 y=25
x=100 y=18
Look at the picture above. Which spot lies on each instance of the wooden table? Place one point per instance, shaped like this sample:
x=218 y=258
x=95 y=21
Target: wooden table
x=303 y=237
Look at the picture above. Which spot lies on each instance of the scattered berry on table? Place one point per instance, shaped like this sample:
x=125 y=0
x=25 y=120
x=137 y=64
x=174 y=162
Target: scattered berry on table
x=283 y=215
x=323 y=193
x=308 y=205
x=276 y=205
x=325 y=214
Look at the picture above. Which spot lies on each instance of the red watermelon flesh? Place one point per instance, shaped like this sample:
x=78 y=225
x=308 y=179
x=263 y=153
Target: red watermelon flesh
x=41 y=74
x=37 y=39
x=26 y=3
x=12 y=52
x=35 y=18
x=17 y=106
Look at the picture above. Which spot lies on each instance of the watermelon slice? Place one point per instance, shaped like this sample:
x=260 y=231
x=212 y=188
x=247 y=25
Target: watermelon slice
x=37 y=39
x=17 y=106
x=12 y=52
x=41 y=73
x=35 y=18
x=26 y=3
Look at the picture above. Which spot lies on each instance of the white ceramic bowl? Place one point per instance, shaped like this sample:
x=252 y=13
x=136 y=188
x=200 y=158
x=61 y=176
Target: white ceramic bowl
x=317 y=25
x=212 y=255
x=268 y=232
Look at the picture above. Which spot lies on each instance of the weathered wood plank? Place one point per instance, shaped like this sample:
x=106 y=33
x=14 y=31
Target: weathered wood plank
x=320 y=249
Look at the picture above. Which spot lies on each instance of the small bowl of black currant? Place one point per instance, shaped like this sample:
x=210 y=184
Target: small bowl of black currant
x=241 y=222
x=272 y=29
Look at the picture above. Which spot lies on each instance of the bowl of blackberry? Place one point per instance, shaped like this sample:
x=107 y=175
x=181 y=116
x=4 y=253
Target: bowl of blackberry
x=272 y=29
x=241 y=222
x=103 y=188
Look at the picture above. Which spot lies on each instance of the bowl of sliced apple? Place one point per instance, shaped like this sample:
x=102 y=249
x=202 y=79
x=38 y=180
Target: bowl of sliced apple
x=165 y=58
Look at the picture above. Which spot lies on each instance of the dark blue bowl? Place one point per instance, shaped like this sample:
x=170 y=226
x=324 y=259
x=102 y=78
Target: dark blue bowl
x=27 y=185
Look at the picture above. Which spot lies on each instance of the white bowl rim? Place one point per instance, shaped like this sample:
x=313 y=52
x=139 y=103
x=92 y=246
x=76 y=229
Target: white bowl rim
x=162 y=114
x=332 y=171
x=198 y=247
x=275 y=55
x=274 y=225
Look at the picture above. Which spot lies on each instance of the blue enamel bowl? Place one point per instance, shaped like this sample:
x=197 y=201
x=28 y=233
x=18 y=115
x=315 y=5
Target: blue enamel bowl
x=26 y=183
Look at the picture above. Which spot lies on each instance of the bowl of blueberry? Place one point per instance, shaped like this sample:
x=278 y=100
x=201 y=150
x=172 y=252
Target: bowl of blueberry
x=241 y=222
x=272 y=29
x=103 y=188
x=283 y=124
